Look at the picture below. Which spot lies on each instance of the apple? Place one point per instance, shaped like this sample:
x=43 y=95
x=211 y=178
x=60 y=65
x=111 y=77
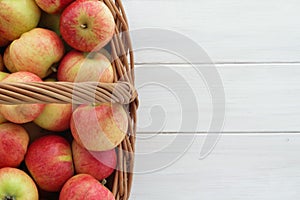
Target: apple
x=18 y=17
x=3 y=75
x=99 y=164
x=14 y=140
x=99 y=127
x=80 y=67
x=52 y=6
x=8 y=62
x=84 y=186
x=21 y=113
x=3 y=41
x=15 y=184
x=55 y=117
x=36 y=51
x=49 y=161
x=87 y=25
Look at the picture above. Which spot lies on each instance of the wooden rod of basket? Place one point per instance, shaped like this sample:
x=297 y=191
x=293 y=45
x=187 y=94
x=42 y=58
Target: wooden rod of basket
x=66 y=92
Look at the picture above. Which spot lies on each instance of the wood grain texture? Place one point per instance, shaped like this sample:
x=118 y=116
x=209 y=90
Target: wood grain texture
x=229 y=31
x=255 y=45
x=252 y=166
x=259 y=98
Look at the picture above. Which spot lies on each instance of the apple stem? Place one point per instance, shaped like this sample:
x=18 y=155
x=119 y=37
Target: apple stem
x=84 y=26
x=53 y=69
x=103 y=182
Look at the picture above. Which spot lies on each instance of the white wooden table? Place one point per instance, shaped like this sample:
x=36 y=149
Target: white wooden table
x=255 y=46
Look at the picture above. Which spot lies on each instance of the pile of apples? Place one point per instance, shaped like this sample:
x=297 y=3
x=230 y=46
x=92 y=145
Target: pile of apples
x=61 y=149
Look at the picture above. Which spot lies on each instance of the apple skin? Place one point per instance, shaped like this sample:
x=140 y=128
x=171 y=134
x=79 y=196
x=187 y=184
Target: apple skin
x=84 y=186
x=18 y=17
x=36 y=51
x=8 y=62
x=49 y=161
x=21 y=113
x=14 y=140
x=55 y=117
x=53 y=6
x=80 y=67
x=99 y=164
x=87 y=25
x=3 y=75
x=17 y=184
x=99 y=128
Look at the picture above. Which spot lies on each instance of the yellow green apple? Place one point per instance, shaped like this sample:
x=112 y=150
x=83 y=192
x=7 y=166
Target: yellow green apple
x=55 y=117
x=8 y=62
x=36 y=51
x=18 y=17
x=80 y=67
x=99 y=127
x=21 y=113
x=84 y=186
x=15 y=184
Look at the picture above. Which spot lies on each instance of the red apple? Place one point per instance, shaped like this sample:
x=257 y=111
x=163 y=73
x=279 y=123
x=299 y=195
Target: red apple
x=49 y=161
x=87 y=25
x=36 y=51
x=53 y=6
x=21 y=113
x=55 y=117
x=99 y=164
x=99 y=128
x=15 y=184
x=8 y=62
x=14 y=140
x=18 y=17
x=84 y=186
x=79 y=67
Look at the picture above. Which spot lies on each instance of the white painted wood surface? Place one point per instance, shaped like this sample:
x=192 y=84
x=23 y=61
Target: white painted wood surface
x=228 y=30
x=247 y=167
x=259 y=98
x=255 y=45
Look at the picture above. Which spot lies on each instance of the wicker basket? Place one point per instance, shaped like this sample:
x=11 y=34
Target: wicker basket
x=121 y=91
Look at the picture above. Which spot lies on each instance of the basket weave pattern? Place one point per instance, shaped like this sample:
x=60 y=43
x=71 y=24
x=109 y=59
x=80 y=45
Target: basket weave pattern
x=121 y=91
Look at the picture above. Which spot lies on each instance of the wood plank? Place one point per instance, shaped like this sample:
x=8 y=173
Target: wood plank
x=259 y=98
x=229 y=31
x=247 y=167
